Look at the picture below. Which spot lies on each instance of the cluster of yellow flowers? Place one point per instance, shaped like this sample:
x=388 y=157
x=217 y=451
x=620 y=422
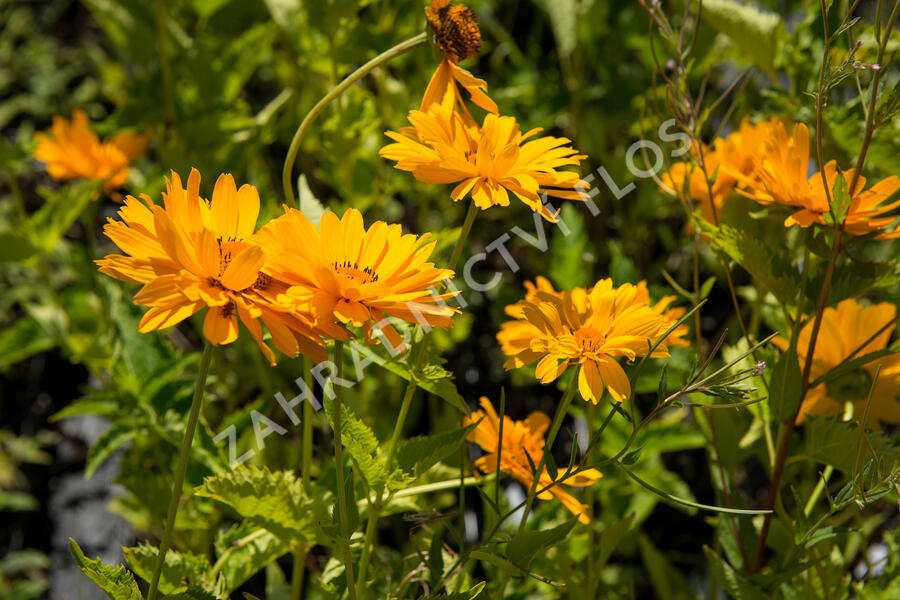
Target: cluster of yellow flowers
x=763 y=162
x=304 y=283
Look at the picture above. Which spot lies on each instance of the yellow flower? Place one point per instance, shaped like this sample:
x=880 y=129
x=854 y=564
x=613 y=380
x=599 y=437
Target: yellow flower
x=519 y=438
x=866 y=210
x=850 y=330
x=592 y=328
x=731 y=161
x=72 y=150
x=489 y=162
x=780 y=176
x=344 y=273
x=191 y=254
x=670 y=316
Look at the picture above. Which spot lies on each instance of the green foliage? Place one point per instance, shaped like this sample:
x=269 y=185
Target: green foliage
x=275 y=501
x=116 y=582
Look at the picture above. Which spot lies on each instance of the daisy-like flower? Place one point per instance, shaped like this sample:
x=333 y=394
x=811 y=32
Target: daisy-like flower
x=592 y=328
x=867 y=210
x=344 y=274
x=731 y=161
x=489 y=162
x=457 y=35
x=72 y=150
x=780 y=176
x=670 y=316
x=192 y=254
x=850 y=330
x=523 y=439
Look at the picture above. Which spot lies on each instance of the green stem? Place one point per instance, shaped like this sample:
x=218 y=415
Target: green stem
x=375 y=509
x=180 y=471
x=561 y=411
x=339 y=469
x=817 y=492
x=306 y=450
x=299 y=557
x=463 y=235
x=448 y=484
x=336 y=91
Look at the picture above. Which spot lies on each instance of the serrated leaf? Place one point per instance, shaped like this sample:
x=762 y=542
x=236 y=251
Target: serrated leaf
x=273 y=500
x=834 y=443
x=361 y=445
x=524 y=545
x=417 y=455
x=106 y=444
x=249 y=550
x=180 y=572
x=443 y=386
x=770 y=266
x=116 y=582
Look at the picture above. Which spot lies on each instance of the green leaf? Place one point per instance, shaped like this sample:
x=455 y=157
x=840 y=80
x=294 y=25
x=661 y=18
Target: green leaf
x=768 y=264
x=24 y=338
x=733 y=582
x=564 y=20
x=834 y=442
x=361 y=444
x=106 y=444
x=95 y=404
x=59 y=211
x=17 y=501
x=417 y=455
x=180 y=571
x=436 y=380
x=610 y=538
x=248 y=550
x=755 y=32
x=16 y=247
x=193 y=593
x=273 y=500
x=524 y=545
x=785 y=386
x=117 y=582
x=667 y=581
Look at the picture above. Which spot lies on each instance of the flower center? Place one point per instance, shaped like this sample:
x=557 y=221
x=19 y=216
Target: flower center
x=590 y=340
x=455 y=29
x=352 y=272
x=228 y=249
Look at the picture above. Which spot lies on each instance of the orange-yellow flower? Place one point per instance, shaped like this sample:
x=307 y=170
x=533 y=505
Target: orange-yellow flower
x=670 y=316
x=343 y=273
x=850 y=330
x=867 y=210
x=72 y=150
x=731 y=161
x=191 y=254
x=780 y=176
x=519 y=438
x=489 y=162
x=592 y=328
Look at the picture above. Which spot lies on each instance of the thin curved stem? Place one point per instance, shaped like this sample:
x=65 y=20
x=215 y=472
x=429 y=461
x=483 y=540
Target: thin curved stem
x=336 y=91
x=181 y=469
